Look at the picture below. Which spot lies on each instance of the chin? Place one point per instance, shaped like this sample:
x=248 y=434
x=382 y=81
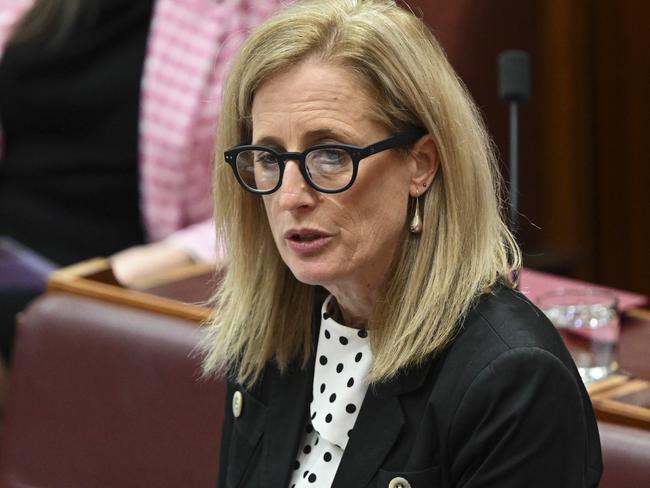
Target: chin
x=315 y=275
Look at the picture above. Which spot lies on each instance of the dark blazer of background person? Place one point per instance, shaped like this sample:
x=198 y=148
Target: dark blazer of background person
x=491 y=395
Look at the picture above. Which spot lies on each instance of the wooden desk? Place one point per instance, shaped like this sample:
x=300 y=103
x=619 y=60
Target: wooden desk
x=634 y=344
x=534 y=283
x=626 y=399
x=182 y=293
x=185 y=293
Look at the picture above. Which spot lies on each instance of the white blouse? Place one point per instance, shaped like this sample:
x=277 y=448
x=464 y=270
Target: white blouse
x=343 y=360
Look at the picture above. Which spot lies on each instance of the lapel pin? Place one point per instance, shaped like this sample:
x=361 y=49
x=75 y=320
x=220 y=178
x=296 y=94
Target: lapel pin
x=237 y=404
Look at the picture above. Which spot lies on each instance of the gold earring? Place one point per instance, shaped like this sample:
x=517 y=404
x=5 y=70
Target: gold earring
x=416 y=222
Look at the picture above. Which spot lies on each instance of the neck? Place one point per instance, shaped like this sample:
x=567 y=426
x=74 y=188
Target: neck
x=353 y=309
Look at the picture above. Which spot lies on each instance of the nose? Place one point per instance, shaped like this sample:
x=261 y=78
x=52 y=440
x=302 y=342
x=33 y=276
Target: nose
x=295 y=193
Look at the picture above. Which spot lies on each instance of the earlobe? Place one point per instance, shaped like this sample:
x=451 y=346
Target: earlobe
x=425 y=164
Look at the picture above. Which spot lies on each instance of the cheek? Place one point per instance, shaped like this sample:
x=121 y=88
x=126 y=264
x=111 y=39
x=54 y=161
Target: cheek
x=376 y=209
x=271 y=215
x=376 y=224
x=386 y=223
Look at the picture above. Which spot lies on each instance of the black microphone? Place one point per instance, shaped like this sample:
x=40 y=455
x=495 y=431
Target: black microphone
x=514 y=88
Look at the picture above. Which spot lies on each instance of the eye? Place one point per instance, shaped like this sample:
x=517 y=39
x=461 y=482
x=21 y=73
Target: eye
x=265 y=158
x=328 y=157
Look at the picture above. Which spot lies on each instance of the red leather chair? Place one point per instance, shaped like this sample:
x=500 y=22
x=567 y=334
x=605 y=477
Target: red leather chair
x=103 y=395
x=626 y=456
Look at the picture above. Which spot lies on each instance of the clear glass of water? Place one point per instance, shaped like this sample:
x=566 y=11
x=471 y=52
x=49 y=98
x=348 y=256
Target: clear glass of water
x=589 y=324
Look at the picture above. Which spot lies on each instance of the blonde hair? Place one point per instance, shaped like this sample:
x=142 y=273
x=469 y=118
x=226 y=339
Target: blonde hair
x=262 y=313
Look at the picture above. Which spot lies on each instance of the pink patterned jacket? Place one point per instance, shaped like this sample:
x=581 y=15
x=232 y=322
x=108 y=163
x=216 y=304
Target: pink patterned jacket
x=190 y=45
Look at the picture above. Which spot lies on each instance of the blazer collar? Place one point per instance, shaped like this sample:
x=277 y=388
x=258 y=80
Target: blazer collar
x=285 y=422
x=287 y=411
x=377 y=428
x=378 y=425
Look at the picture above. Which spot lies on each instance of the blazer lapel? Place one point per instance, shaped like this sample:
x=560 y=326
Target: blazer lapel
x=286 y=421
x=377 y=427
x=287 y=413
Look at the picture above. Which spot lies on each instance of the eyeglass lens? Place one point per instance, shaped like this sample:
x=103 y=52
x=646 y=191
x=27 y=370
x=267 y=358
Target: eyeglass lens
x=329 y=168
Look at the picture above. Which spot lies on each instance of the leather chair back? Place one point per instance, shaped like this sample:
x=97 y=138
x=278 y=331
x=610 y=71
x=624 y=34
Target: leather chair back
x=103 y=395
x=626 y=456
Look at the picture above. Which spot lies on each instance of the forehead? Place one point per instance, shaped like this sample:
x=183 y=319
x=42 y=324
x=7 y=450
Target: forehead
x=312 y=96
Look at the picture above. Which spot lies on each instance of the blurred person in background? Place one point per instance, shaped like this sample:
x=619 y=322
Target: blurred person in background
x=107 y=118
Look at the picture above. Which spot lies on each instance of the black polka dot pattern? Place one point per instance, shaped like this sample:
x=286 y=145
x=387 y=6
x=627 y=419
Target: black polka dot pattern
x=343 y=361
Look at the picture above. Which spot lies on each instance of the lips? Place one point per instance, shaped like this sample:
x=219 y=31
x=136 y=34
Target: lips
x=306 y=241
x=302 y=235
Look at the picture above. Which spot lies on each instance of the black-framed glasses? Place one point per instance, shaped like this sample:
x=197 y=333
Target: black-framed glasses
x=328 y=168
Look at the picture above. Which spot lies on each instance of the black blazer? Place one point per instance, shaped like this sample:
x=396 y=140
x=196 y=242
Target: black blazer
x=502 y=406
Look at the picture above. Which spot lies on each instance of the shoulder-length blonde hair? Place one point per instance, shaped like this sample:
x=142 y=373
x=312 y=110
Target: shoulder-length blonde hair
x=262 y=313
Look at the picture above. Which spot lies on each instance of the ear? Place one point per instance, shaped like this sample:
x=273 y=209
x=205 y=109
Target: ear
x=424 y=165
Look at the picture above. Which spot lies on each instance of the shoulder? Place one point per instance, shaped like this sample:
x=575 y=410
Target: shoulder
x=506 y=385
x=505 y=324
x=506 y=350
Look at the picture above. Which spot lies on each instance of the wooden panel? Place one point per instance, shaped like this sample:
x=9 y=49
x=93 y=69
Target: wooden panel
x=473 y=34
x=622 y=119
x=585 y=172
x=566 y=138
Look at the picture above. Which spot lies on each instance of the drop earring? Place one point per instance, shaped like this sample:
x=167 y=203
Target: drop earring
x=416 y=222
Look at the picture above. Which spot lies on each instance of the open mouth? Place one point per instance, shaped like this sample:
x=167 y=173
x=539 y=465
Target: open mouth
x=307 y=242
x=304 y=237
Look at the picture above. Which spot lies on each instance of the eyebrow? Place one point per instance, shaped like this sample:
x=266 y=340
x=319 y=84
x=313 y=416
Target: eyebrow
x=310 y=135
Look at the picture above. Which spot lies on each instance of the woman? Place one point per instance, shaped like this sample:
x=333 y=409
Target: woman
x=356 y=162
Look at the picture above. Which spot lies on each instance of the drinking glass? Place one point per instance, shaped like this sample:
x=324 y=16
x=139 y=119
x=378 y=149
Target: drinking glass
x=587 y=321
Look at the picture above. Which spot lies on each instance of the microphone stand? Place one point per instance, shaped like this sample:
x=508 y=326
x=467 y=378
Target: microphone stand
x=513 y=184
x=514 y=88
